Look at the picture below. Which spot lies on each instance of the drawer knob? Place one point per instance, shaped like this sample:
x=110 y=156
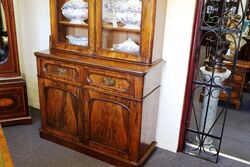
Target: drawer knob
x=109 y=81
x=60 y=71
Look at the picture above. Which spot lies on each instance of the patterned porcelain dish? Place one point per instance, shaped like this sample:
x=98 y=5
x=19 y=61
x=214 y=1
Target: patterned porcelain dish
x=76 y=11
x=129 y=13
x=126 y=11
x=78 y=40
x=129 y=5
x=108 y=14
x=127 y=46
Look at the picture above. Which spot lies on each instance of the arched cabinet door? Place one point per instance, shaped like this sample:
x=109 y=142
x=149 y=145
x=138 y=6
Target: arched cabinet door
x=60 y=109
x=9 y=65
x=111 y=124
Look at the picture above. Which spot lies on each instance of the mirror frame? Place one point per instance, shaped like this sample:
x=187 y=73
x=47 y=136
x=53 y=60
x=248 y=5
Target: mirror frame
x=11 y=67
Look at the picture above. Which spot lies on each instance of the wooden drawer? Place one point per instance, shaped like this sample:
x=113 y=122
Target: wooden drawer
x=61 y=71
x=109 y=81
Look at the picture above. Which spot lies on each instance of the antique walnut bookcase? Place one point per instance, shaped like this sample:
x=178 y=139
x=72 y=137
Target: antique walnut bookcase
x=13 y=96
x=94 y=97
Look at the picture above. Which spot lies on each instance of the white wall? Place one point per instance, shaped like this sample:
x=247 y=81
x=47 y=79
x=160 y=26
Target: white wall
x=179 y=25
x=33 y=31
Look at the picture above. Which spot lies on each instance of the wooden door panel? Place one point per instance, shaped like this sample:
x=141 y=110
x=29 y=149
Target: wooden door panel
x=64 y=109
x=60 y=109
x=109 y=123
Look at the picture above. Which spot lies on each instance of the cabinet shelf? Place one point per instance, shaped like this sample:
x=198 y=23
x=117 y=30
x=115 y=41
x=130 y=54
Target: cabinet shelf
x=110 y=27
x=66 y=23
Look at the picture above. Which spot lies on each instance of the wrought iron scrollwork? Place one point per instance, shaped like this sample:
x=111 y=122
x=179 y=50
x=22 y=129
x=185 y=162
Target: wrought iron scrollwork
x=220 y=32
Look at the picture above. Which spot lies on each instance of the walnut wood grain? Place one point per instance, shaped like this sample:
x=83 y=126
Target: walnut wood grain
x=114 y=124
x=60 y=106
x=108 y=122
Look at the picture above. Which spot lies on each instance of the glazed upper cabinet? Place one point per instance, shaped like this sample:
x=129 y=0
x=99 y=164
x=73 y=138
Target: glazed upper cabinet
x=118 y=29
x=72 y=33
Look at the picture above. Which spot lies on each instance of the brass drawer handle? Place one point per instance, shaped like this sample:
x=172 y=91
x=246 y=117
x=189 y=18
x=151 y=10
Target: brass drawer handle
x=109 y=81
x=61 y=71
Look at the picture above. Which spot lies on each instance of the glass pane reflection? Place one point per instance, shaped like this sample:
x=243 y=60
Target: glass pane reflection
x=3 y=36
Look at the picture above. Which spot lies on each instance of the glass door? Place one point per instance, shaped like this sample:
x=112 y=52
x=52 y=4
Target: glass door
x=72 y=25
x=121 y=30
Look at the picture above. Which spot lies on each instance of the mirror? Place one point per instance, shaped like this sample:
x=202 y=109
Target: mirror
x=3 y=36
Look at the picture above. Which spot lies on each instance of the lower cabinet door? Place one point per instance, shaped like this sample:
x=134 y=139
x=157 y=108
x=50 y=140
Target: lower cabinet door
x=112 y=124
x=60 y=109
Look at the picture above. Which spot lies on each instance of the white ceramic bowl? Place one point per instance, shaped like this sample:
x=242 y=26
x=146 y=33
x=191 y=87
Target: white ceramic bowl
x=127 y=46
x=76 y=11
x=78 y=40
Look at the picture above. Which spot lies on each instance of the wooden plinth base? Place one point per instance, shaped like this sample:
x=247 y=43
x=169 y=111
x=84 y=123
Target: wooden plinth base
x=119 y=162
